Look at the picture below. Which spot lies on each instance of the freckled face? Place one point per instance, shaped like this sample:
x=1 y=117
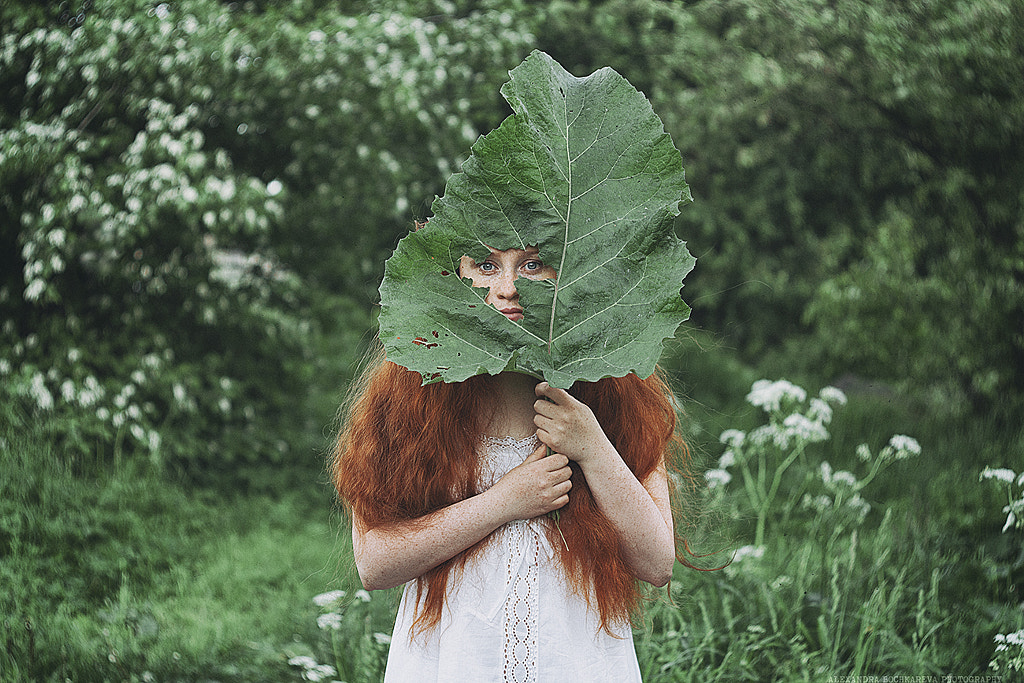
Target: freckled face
x=498 y=272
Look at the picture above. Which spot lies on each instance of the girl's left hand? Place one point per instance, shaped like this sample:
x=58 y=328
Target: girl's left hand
x=568 y=426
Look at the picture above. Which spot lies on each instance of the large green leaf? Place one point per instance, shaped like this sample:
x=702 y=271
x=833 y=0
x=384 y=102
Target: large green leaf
x=583 y=170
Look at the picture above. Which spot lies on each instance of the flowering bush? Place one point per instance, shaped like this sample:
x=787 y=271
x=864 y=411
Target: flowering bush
x=175 y=177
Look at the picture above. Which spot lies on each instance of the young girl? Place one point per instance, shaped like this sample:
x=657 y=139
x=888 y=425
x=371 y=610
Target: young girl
x=451 y=486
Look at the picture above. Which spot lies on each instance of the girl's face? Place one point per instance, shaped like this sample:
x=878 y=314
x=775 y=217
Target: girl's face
x=498 y=273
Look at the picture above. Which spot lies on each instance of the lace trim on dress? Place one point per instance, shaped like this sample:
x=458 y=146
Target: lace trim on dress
x=509 y=441
x=521 y=609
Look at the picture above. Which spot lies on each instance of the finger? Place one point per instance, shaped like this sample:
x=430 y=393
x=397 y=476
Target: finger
x=543 y=422
x=544 y=407
x=539 y=452
x=558 y=396
x=556 y=462
x=545 y=438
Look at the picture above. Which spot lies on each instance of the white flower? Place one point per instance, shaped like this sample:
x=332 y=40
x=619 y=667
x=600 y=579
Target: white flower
x=800 y=427
x=1002 y=474
x=1016 y=638
x=904 y=446
x=728 y=459
x=40 y=393
x=362 y=595
x=717 y=478
x=327 y=598
x=34 y=290
x=303 y=661
x=67 y=390
x=138 y=432
x=382 y=638
x=319 y=672
x=819 y=411
x=863 y=452
x=330 y=620
x=769 y=395
x=844 y=477
x=769 y=434
x=746 y=551
x=833 y=395
x=861 y=506
x=818 y=503
x=732 y=438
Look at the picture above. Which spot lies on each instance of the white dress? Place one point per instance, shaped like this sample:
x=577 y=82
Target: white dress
x=512 y=617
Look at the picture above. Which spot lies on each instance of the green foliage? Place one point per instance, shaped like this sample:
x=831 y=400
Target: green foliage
x=198 y=199
x=856 y=168
x=584 y=171
x=355 y=634
x=115 y=573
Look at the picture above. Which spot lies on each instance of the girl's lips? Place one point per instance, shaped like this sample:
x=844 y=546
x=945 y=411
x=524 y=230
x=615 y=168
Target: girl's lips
x=512 y=313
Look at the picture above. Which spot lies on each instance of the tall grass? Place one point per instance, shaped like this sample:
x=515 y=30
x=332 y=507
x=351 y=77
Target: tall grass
x=113 y=572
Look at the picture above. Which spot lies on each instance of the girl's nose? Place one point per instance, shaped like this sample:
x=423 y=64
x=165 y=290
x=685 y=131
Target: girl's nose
x=504 y=287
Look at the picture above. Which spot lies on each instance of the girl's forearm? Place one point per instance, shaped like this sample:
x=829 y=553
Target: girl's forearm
x=640 y=513
x=393 y=554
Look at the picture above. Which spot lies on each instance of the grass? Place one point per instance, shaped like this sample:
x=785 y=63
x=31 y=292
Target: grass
x=119 y=571
x=123 y=575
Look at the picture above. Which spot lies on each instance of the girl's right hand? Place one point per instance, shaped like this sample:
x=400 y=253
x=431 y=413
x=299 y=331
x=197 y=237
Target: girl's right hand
x=535 y=487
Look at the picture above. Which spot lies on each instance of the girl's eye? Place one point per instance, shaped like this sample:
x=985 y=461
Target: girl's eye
x=533 y=265
x=488 y=267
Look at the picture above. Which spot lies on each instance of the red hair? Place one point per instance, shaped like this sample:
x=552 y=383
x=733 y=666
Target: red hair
x=406 y=450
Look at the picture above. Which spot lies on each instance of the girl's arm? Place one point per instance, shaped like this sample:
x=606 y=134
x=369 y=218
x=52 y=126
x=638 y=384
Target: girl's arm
x=393 y=554
x=640 y=511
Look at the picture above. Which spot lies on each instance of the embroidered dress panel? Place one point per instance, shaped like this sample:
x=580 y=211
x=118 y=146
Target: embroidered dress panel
x=510 y=616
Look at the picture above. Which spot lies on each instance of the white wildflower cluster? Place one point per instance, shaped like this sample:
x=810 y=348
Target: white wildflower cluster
x=1014 y=509
x=772 y=396
x=328 y=598
x=1009 y=653
x=748 y=554
x=803 y=425
x=311 y=670
x=721 y=476
x=844 y=488
x=901 y=447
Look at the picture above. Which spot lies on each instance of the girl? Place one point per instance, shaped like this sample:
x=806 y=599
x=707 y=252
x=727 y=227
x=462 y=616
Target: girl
x=450 y=488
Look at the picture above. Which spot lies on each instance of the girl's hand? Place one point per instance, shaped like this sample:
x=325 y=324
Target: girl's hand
x=535 y=487
x=568 y=426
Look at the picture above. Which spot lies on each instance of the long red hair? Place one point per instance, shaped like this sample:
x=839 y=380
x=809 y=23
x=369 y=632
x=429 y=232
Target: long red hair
x=406 y=450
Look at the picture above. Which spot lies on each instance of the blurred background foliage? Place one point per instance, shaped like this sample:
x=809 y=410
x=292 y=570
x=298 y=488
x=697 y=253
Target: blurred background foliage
x=197 y=198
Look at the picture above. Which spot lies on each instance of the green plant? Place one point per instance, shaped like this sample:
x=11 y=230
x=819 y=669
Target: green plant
x=583 y=171
x=358 y=628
